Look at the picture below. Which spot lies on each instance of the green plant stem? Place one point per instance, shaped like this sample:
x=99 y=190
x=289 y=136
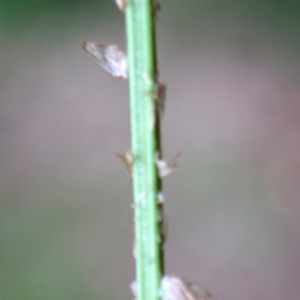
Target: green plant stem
x=145 y=144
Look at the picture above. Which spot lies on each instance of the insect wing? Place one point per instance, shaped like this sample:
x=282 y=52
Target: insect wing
x=199 y=292
x=127 y=159
x=121 y=4
x=109 y=57
x=173 y=288
x=166 y=168
x=116 y=61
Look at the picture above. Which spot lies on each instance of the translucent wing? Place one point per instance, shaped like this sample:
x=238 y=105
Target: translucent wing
x=109 y=57
x=174 y=288
x=121 y=4
x=166 y=168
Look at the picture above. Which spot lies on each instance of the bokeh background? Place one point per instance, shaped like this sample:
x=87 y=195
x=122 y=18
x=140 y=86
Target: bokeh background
x=233 y=111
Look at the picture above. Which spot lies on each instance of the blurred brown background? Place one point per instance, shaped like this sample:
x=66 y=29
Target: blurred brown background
x=233 y=111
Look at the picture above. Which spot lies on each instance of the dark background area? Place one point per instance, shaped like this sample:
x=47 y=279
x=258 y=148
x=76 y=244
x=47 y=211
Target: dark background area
x=232 y=70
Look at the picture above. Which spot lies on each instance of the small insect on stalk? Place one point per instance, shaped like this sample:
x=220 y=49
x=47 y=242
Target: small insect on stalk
x=109 y=57
x=166 y=168
x=121 y=4
x=127 y=159
x=174 y=288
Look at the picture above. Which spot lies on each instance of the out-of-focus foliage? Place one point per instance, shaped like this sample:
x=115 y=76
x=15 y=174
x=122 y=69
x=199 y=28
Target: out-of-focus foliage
x=16 y=11
x=37 y=260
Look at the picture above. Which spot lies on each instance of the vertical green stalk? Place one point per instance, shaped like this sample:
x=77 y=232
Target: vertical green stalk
x=145 y=135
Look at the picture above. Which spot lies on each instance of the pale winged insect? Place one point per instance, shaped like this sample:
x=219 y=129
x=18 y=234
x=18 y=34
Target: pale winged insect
x=174 y=288
x=165 y=168
x=121 y=4
x=127 y=159
x=109 y=57
x=160 y=197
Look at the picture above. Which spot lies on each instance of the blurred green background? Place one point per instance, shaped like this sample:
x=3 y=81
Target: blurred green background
x=232 y=70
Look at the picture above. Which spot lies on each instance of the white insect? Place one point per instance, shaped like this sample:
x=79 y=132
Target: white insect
x=121 y=4
x=160 y=197
x=109 y=57
x=174 y=288
x=165 y=168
